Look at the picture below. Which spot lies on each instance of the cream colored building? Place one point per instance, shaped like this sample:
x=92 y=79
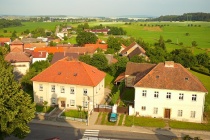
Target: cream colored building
x=170 y=91
x=69 y=84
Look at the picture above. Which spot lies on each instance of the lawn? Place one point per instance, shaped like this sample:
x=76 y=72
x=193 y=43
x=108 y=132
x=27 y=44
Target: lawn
x=188 y=125
x=121 y=119
x=109 y=81
x=40 y=108
x=105 y=119
x=176 y=31
x=75 y=114
x=144 y=121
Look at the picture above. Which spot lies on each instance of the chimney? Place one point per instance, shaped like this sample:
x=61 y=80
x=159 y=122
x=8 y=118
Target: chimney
x=169 y=64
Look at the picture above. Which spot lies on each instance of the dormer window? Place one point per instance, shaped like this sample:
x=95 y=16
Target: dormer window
x=186 y=78
x=157 y=76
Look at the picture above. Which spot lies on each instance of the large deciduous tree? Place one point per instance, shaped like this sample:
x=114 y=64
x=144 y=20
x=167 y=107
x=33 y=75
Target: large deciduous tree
x=184 y=57
x=16 y=107
x=99 y=60
x=114 y=43
x=86 y=38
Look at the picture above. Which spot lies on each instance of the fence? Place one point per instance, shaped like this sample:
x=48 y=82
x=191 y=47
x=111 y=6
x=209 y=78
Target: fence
x=108 y=108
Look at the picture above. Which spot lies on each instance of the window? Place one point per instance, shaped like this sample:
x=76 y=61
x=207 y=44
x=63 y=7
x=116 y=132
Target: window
x=85 y=92
x=168 y=96
x=179 y=113
x=181 y=96
x=41 y=99
x=52 y=88
x=72 y=102
x=71 y=90
x=155 y=111
x=62 y=89
x=53 y=101
x=192 y=114
x=156 y=94
x=143 y=108
x=194 y=97
x=85 y=104
x=144 y=93
x=40 y=87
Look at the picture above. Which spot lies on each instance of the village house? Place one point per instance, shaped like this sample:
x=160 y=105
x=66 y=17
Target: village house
x=168 y=90
x=132 y=50
x=69 y=84
x=18 y=58
x=60 y=55
x=4 y=41
x=39 y=56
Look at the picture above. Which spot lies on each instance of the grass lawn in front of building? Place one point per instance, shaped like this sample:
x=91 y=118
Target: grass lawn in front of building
x=40 y=108
x=75 y=114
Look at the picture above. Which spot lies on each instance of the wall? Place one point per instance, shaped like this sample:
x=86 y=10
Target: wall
x=174 y=104
x=21 y=67
x=95 y=94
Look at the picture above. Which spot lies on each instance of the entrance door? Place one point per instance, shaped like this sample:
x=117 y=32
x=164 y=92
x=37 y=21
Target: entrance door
x=62 y=103
x=167 y=113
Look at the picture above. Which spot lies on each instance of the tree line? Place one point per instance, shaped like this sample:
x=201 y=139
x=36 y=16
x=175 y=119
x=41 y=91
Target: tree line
x=9 y=23
x=185 y=17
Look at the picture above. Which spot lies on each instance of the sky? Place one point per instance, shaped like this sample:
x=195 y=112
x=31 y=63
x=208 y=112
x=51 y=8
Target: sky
x=104 y=8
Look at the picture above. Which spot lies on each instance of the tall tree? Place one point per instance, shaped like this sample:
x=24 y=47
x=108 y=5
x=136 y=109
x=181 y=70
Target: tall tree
x=99 y=60
x=113 y=43
x=16 y=107
x=86 y=38
x=85 y=58
x=184 y=57
x=203 y=59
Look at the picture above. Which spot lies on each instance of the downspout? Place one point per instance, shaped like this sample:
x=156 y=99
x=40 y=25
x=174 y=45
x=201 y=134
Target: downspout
x=93 y=98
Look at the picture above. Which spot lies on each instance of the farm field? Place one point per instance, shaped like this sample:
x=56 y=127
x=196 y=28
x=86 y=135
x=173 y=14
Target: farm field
x=148 y=31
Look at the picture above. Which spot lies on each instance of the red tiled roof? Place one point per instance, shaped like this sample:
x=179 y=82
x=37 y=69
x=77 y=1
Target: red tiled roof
x=17 y=57
x=135 y=68
x=127 y=48
x=71 y=72
x=173 y=78
x=49 y=49
x=81 y=50
x=16 y=50
x=34 y=45
x=16 y=42
x=4 y=39
x=120 y=77
x=123 y=46
x=101 y=46
x=39 y=54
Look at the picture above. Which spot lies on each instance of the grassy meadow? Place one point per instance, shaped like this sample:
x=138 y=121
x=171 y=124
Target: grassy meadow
x=148 y=31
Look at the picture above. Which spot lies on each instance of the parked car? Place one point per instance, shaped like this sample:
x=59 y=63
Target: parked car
x=54 y=138
x=113 y=117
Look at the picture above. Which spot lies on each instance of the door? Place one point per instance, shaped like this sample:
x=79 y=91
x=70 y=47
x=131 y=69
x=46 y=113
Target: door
x=167 y=113
x=62 y=103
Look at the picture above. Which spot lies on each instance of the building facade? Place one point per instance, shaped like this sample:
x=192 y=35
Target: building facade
x=69 y=84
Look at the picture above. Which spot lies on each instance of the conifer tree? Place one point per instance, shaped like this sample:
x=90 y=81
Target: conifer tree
x=16 y=107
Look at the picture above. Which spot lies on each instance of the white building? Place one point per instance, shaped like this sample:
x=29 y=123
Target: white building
x=39 y=56
x=170 y=91
x=69 y=84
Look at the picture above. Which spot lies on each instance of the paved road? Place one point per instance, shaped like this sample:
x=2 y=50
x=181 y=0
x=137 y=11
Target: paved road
x=42 y=132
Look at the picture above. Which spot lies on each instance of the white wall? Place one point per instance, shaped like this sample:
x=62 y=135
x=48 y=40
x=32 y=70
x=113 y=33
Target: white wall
x=174 y=104
x=96 y=94
x=38 y=59
x=21 y=67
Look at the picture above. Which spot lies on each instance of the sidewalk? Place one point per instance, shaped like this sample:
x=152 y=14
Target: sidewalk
x=205 y=135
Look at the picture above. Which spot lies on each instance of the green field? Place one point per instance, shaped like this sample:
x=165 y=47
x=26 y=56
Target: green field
x=148 y=31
